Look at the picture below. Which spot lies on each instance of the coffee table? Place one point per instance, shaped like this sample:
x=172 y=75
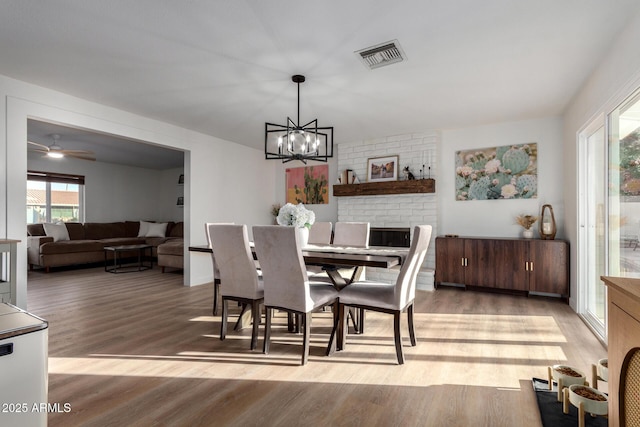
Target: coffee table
x=117 y=258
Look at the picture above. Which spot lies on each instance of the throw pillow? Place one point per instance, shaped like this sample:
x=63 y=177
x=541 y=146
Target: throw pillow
x=57 y=231
x=157 y=229
x=144 y=228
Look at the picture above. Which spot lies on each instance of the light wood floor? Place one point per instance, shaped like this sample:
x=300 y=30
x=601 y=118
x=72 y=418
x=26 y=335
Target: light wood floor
x=141 y=349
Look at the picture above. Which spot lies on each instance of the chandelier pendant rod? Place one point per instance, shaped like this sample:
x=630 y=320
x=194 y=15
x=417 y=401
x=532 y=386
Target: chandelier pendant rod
x=298 y=122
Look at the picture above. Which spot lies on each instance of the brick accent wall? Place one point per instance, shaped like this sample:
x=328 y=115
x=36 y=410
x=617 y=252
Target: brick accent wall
x=403 y=210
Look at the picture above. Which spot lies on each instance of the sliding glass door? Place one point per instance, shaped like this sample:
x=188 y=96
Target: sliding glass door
x=609 y=182
x=624 y=189
x=592 y=250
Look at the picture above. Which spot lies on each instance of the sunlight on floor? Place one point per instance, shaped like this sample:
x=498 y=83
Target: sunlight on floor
x=451 y=349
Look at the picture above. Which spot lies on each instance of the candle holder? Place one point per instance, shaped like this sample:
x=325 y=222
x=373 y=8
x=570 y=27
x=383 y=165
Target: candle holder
x=547 y=223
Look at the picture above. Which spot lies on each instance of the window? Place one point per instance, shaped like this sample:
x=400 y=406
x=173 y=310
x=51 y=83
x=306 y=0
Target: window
x=54 y=197
x=624 y=189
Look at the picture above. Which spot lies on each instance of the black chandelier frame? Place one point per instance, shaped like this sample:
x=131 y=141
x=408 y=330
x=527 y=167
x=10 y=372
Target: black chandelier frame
x=310 y=138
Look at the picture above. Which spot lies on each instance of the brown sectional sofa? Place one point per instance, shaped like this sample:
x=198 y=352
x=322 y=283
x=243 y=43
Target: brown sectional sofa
x=171 y=254
x=87 y=241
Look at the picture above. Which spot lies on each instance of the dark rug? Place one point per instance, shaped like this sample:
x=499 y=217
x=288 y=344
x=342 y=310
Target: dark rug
x=551 y=410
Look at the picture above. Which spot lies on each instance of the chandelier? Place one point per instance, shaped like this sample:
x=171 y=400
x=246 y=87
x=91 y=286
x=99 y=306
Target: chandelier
x=295 y=141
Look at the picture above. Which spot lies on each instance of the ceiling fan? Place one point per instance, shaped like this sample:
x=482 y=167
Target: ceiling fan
x=57 y=152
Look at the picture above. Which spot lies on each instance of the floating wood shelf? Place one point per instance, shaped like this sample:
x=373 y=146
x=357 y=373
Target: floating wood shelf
x=385 y=187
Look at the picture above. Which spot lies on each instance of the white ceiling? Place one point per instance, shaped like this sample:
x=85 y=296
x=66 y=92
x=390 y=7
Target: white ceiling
x=106 y=148
x=224 y=67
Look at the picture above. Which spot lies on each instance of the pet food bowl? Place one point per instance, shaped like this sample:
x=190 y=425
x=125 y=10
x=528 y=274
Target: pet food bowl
x=589 y=404
x=560 y=372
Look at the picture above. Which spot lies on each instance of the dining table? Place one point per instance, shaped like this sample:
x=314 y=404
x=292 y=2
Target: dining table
x=334 y=260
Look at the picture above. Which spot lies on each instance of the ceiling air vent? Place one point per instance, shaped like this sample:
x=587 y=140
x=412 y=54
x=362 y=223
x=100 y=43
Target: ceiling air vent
x=380 y=55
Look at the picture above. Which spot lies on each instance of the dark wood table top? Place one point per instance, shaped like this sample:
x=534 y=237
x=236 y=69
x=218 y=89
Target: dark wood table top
x=334 y=257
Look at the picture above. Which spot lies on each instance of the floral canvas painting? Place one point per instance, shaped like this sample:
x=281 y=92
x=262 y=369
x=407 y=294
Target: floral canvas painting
x=505 y=172
x=308 y=185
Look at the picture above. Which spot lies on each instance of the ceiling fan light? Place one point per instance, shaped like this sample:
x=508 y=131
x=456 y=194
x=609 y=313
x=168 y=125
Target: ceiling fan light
x=55 y=154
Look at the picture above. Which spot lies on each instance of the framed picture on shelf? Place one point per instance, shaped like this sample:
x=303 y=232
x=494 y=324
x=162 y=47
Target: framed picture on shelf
x=181 y=179
x=382 y=169
x=180 y=201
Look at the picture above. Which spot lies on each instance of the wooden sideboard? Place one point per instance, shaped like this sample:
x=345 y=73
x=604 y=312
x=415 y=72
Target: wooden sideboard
x=623 y=305
x=522 y=265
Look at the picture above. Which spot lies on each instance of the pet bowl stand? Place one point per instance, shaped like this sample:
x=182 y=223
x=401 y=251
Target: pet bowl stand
x=595 y=377
x=581 y=409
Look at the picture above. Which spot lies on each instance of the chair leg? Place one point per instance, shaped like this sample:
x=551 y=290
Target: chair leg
x=255 y=313
x=342 y=327
x=216 y=291
x=267 y=331
x=412 y=332
x=290 y=322
x=306 y=319
x=361 y=320
x=354 y=318
x=398 y=337
x=331 y=348
x=223 y=323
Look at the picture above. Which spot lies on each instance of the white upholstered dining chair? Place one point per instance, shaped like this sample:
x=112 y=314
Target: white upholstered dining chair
x=287 y=286
x=351 y=234
x=393 y=298
x=238 y=273
x=216 y=272
x=320 y=233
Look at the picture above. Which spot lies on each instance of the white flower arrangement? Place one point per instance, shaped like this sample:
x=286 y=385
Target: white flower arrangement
x=296 y=215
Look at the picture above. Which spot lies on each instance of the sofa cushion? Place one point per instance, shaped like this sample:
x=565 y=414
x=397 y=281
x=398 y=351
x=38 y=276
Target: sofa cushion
x=103 y=230
x=144 y=227
x=158 y=229
x=177 y=230
x=172 y=247
x=57 y=231
x=35 y=230
x=71 y=246
x=131 y=228
x=155 y=241
x=76 y=230
x=117 y=241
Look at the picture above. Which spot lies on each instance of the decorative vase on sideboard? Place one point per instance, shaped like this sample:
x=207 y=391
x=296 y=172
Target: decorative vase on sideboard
x=527 y=233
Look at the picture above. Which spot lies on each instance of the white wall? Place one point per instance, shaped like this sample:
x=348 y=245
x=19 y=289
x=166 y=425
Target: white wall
x=117 y=192
x=496 y=218
x=617 y=76
x=167 y=193
x=223 y=181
